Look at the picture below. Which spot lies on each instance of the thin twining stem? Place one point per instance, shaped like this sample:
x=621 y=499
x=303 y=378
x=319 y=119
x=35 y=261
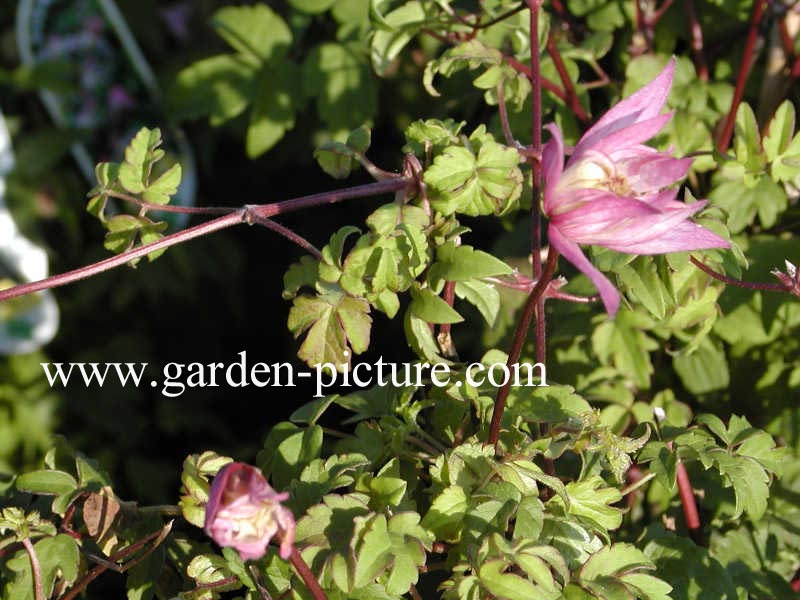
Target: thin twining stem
x=519 y=340
x=306 y=575
x=741 y=78
x=289 y=235
x=186 y=210
x=36 y=569
x=766 y=287
x=246 y=214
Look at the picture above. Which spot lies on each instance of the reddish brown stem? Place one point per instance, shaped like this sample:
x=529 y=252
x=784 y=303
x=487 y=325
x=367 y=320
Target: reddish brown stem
x=36 y=569
x=503 y=111
x=741 y=79
x=186 y=210
x=657 y=15
x=289 y=235
x=766 y=287
x=449 y=296
x=306 y=575
x=545 y=83
x=572 y=97
x=689 y=505
x=518 y=342
x=247 y=214
x=81 y=584
x=700 y=64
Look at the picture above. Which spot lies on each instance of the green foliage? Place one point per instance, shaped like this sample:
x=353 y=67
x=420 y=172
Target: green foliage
x=396 y=489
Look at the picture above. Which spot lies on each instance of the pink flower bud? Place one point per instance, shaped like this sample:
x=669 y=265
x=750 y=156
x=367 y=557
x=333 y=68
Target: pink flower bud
x=618 y=193
x=244 y=512
x=790 y=279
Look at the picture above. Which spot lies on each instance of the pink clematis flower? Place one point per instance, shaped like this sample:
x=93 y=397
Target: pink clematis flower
x=244 y=511
x=615 y=192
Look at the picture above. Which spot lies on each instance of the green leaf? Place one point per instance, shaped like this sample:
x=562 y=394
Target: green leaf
x=431 y=308
x=750 y=483
x=464 y=263
x=255 y=31
x=58 y=557
x=276 y=96
x=341 y=82
x=489 y=183
x=747 y=143
x=482 y=296
x=468 y=55
x=372 y=551
x=287 y=450
x=551 y=404
x=162 y=189
x=432 y=135
x=140 y=155
x=386 y=219
x=507 y=585
x=742 y=202
x=221 y=87
x=619 y=567
x=704 y=370
x=337 y=326
x=591 y=499
x=624 y=344
x=446 y=513
x=780 y=131
x=691 y=571
x=46 y=482
x=397 y=29
x=420 y=338
x=210 y=570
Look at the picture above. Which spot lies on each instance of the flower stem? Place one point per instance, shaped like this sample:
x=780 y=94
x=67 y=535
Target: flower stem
x=766 y=287
x=36 y=569
x=289 y=235
x=572 y=97
x=246 y=214
x=744 y=70
x=689 y=505
x=186 y=210
x=519 y=340
x=526 y=70
x=306 y=575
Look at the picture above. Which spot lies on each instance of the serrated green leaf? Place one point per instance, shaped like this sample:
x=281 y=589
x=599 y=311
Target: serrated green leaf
x=161 y=190
x=464 y=263
x=141 y=153
x=337 y=327
x=446 y=513
x=461 y=182
x=780 y=130
x=431 y=308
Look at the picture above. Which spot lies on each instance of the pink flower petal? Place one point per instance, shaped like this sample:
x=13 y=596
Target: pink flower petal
x=552 y=163
x=619 y=220
x=647 y=169
x=635 y=133
x=685 y=236
x=572 y=252
x=639 y=106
